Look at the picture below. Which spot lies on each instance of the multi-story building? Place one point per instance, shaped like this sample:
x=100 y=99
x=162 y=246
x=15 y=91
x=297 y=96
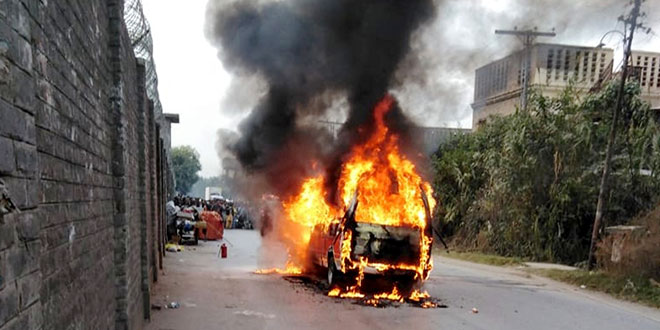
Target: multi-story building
x=498 y=85
x=646 y=68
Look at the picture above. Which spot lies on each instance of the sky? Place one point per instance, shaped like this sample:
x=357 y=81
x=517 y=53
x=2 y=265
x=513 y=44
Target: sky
x=191 y=79
x=194 y=84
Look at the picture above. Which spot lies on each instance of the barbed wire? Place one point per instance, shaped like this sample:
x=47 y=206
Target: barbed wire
x=140 y=34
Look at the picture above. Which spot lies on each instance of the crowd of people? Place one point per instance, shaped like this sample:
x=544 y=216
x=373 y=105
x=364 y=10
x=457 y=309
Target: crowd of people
x=235 y=215
x=191 y=219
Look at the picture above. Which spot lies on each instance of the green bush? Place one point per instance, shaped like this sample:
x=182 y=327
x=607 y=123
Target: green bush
x=526 y=184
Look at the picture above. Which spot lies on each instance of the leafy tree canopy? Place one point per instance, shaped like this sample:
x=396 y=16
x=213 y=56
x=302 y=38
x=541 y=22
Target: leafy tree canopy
x=185 y=162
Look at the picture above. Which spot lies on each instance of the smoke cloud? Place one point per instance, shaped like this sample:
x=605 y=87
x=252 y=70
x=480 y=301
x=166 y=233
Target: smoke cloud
x=437 y=84
x=300 y=61
x=310 y=53
x=297 y=62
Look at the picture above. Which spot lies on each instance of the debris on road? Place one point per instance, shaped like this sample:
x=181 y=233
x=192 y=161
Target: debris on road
x=189 y=304
x=372 y=299
x=173 y=247
x=254 y=313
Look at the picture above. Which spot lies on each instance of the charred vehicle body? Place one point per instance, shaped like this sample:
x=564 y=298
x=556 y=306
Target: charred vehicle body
x=349 y=248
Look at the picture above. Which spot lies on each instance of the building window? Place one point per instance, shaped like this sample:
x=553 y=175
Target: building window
x=594 y=57
x=585 y=65
x=653 y=74
x=558 y=64
x=548 y=64
x=645 y=68
x=643 y=76
x=567 y=59
x=657 y=82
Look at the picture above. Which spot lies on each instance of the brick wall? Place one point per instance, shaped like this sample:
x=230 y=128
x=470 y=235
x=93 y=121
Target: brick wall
x=79 y=168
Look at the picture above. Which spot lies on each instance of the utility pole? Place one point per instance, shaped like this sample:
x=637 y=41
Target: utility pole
x=527 y=37
x=600 y=206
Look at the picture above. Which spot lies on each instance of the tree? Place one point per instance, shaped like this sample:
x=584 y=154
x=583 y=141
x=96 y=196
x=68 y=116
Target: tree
x=185 y=162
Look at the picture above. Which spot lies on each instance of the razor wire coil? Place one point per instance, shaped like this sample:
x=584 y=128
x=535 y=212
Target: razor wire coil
x=140 y=35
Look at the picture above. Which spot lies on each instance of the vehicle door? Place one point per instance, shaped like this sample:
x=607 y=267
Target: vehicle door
x=330 y=241
x=315 y=245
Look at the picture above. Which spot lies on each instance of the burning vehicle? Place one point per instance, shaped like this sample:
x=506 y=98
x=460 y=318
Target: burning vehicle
x=385 y=228
x=353 y=202
x=348 y=248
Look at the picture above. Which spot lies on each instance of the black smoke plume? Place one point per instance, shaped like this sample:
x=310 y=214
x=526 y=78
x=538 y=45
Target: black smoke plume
x=304 y=49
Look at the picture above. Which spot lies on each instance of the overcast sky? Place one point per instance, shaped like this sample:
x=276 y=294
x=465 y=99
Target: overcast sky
x=193 y=83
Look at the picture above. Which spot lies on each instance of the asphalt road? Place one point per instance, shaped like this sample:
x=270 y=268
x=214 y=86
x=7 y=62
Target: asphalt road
x=225 y=294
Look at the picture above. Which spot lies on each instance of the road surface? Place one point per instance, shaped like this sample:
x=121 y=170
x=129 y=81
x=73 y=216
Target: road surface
x=225 y=294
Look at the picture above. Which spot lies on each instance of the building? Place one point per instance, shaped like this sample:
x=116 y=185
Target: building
x=646 y=68
x=498 y=85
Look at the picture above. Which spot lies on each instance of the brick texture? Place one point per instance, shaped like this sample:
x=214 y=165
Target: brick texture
x=82 y=158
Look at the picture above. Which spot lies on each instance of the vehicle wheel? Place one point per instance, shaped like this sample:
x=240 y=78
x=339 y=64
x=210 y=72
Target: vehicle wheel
x=408 y=284
x=332 y=271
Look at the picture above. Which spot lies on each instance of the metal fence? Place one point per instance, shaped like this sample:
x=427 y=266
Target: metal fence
x=140 y=34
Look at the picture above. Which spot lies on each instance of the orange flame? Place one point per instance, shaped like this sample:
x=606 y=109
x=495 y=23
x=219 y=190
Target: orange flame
x=309 y=208
x=387 y=182
x=290 y=269
x=418 y=295
x=394 y=295
x=388 y=193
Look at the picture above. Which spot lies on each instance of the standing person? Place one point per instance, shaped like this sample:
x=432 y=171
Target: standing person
x=265 y=224
x=223 y=213
x=228 y=217
x=199 y=206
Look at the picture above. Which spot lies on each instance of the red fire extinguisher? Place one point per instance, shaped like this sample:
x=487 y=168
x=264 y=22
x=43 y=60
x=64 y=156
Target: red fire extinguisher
x=223 y=250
